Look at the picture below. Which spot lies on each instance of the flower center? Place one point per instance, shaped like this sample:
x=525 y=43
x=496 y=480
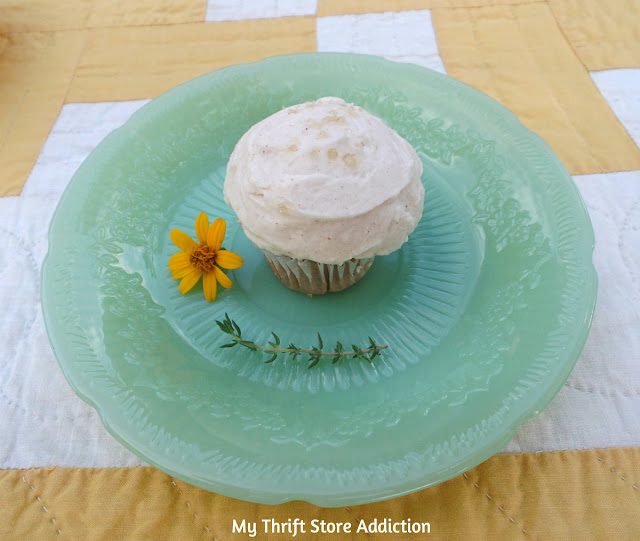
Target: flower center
x=203 y=258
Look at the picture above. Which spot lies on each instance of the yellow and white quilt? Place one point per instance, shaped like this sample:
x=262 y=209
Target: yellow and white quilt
x=72 y=71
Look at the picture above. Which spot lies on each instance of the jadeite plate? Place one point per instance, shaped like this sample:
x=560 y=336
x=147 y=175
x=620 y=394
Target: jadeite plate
x=485 y=309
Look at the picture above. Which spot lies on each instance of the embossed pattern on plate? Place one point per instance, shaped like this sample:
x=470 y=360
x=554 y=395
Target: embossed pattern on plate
x=485 y=309
x=419 y=292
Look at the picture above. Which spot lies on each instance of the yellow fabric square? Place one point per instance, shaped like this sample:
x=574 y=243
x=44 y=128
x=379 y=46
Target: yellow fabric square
x=35 y=72
x=130 y=63
x=43 y=15
x=358 y=7
x=146 y=12
x=605 y=34
x=518 y=55
x=592 y=494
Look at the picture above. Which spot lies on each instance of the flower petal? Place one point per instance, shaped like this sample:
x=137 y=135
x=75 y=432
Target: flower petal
x=202 y=227
x=190 y=280
x=182 y=240
x=228 y=260
x=216 y=233
x=179 y=261
x=222 y=278
x=181 y=273
x=210 y=286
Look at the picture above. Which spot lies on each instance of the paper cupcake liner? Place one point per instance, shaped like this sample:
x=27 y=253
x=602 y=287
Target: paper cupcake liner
x=315 y=278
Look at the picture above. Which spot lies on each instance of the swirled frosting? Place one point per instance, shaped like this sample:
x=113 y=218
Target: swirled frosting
x=325 y=181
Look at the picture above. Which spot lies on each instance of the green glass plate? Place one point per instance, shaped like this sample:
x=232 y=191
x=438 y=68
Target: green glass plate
x=485 y=309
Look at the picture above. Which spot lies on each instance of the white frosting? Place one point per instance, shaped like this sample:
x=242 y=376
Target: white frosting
x=325 y=181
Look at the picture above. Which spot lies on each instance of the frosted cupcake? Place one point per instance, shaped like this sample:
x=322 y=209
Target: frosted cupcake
x=322 y=188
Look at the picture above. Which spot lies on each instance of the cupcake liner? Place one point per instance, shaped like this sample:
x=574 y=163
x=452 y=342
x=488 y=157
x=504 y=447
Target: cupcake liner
x=315 y=278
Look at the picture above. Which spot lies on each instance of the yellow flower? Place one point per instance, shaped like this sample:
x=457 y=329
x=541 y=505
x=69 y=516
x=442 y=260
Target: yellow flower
x=204 y=258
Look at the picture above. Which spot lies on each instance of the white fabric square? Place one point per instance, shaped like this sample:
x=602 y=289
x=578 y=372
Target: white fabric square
x=42 y=421
x=76 y=132
x=599 y=406
x=234 y=10
x=47 y=424
x=621 y=89
x=406 y=36
x=611 y=361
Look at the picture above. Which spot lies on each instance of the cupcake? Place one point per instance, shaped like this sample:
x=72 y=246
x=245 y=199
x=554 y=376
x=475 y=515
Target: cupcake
x=322 y=188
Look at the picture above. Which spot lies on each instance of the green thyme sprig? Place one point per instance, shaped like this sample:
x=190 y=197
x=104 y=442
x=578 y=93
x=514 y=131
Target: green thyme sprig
x=314 y=354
